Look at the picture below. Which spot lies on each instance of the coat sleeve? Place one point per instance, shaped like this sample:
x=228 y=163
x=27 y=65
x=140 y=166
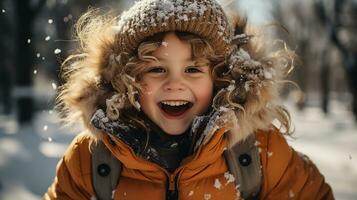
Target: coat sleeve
x=73 y=173
x=288 y=174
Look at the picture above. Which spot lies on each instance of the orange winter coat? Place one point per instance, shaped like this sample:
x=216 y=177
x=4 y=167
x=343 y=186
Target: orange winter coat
x=286 y=174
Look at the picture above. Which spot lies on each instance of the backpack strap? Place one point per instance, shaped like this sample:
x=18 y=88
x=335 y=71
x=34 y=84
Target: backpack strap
x=244 y=163
x=106 y=171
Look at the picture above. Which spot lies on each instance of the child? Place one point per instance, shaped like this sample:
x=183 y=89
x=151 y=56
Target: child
x=172 y=88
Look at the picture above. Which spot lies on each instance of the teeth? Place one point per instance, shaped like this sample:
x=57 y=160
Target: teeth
x=175 y=103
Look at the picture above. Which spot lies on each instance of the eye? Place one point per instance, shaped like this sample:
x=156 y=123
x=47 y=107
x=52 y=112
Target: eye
x=156 y=70
x=193 y=69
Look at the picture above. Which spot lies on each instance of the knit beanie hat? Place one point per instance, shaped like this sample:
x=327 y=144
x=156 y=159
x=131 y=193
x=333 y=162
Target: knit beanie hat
x=145 y=18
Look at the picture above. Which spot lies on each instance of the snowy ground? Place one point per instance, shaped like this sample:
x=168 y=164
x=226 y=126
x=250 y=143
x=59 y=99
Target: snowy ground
x=28 y=155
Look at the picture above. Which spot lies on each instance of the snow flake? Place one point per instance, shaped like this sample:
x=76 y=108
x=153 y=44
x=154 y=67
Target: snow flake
x=137 y=105
x=3 y=10
x=190 y=193
x=269 y=153
x=113 y=194
x=291 y=194
x=50 y=21
x=50 y=112
x=165 y=44
x=259 y=150
x=28 y=41
x=35 y=71
x=45 y=127
x=230 y=178
x=57 y=51
x=207 y=196
x=257 y=143
x=173 y=145
x=217 y=184
x=43 y=58
x=47 y=38
x=231 y=87
x=54 y=86
x=246 y=86
x=38 y=55
x=49 y=139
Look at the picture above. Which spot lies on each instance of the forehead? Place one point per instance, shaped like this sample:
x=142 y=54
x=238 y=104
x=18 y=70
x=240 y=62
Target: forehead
x=173 y=48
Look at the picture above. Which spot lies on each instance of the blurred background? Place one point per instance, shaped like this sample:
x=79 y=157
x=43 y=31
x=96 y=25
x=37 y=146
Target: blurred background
x=37 y=35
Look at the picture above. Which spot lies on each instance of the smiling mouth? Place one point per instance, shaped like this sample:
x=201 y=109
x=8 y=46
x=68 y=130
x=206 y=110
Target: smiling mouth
x=175 y=108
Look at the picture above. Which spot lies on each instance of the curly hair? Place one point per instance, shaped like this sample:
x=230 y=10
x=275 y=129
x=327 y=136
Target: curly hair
x=247 y=80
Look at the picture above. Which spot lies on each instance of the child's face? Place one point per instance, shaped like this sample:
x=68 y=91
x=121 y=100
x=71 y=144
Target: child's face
x=174 y=89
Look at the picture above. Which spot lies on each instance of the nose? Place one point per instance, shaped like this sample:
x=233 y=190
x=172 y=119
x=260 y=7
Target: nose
x=174 y=83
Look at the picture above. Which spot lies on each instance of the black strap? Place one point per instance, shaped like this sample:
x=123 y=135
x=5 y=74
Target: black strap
x=244 y=163
x=106 y=171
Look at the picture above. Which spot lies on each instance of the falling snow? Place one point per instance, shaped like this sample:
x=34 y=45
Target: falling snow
x=35 y=71
x=38 y=55
x=54 y=86
x=28 y=41
x=269 y=153
x=57 y=51
x=190 y=193
x=45 y=127
x=50 y=21
x=47 y=38
x=3 y=10
x=49 y=139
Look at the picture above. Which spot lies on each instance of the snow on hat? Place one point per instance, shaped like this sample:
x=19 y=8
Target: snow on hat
x=145 y=18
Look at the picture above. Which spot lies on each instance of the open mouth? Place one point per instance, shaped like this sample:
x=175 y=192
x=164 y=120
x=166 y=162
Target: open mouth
x=175 y=108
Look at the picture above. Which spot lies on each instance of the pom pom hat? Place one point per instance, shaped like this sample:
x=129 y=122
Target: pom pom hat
x=204 y=18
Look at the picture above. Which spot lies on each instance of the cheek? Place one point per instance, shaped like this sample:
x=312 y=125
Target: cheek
x=204 y=93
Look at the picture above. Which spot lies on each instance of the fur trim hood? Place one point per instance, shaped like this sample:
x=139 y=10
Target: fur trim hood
x=252 y=71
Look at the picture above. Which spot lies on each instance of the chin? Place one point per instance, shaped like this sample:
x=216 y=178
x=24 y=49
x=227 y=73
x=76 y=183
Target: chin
x=174 y=131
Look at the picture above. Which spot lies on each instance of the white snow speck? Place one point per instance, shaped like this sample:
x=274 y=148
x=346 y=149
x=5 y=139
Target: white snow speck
x=113 y=194
x=3 y=10
x=50 y=112
x=207 y=196
x=165 y=44
x=54 y=86
x=190 y=193
x=45 y=127
x=43 y=58
x=256 y=143
x=47 y=38
x=57 y=51
x=49 y=139
x=35 y=71
x=230 y=178
x=269 y=153
x=291 y=194
x=38 y=55
x=231 y=87
x=50 y=21
x=28 y=41
x=217 y=184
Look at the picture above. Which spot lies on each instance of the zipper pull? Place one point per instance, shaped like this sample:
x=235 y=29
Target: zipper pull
x=172 y=183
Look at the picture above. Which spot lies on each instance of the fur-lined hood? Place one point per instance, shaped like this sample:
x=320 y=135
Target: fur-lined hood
x=252 y=71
